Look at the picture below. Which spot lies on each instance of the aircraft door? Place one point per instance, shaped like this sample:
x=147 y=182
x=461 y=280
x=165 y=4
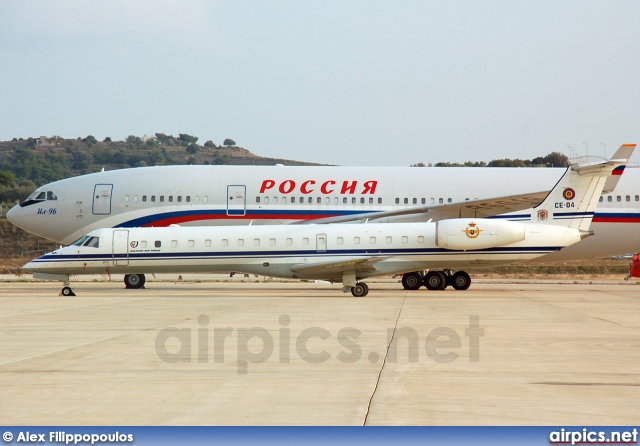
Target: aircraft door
x=321 y=242
x=102 y=199
x=121 y=247
x=236 y=200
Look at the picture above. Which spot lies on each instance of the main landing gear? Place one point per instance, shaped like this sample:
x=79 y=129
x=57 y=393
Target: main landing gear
x=360 y=290
x=67 y=291
x=134 y=281
x=436 y=280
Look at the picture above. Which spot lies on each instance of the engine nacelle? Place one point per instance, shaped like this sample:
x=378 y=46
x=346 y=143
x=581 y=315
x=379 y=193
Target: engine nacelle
x=465 y=234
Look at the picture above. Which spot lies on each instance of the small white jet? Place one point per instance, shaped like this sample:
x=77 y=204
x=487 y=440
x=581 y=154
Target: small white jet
x=345 y=253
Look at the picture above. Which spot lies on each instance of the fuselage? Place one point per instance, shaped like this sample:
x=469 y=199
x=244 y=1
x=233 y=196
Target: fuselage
x=306 y=251
x=241 y=195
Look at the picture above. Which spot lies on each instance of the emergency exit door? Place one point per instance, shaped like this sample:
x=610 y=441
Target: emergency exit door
x=102 y=199
x=236 y=200
x=121 y=247
x=321 y=242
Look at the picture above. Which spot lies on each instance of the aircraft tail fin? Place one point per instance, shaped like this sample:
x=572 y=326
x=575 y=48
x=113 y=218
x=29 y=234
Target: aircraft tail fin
x=573 y=200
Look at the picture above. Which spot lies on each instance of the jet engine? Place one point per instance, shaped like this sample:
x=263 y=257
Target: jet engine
x=468 y=234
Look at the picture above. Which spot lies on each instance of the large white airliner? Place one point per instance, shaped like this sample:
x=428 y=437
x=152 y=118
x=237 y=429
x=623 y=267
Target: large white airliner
x=344 y=253
x=241 y=195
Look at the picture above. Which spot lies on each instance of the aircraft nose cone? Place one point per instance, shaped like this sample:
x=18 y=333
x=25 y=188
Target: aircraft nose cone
x=12 y=215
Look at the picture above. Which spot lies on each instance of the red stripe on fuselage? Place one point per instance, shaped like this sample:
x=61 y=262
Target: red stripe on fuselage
x=189 y=218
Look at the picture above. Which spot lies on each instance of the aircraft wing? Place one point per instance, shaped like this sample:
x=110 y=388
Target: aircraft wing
x=462 y=209
x=335 y=268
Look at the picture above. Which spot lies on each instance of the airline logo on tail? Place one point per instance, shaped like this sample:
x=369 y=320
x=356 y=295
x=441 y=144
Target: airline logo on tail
x=569 y=194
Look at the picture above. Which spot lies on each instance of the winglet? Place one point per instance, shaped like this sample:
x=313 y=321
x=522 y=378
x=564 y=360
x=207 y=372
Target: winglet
x=623 y=153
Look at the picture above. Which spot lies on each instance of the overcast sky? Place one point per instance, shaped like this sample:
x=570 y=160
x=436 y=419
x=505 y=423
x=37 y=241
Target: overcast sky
x=341 y=82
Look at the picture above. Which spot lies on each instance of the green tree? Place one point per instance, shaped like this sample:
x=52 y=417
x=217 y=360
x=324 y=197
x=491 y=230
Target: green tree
x=209 y=144
x=107 y=139
x=7 y=178
x=192 y=149
x=90 y=140
x=187 y=139
x=229 y=142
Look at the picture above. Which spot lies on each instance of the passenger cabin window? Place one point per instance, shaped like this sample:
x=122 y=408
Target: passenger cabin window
x=372 y=240
x=339 y=240
x=305 y=241
x=257 y=199
x=379 y=200
x=191 y=243
x=144 y=198
x=628 y=198
x=344 y=200
x=158 y=243
x=272 y=242
x=356 y=240
x=188 y=199
x=388 y=239
x=289 y=241
x=449 y=200
x=179 y=198
x=256 y=242
x=143 y=244
x=609 y=199
x=205 y=198
x=170 y=198
x=423 y=201
x=415 y=201
x=404 y=239
x=370 y=200
x=440 y=200
x=319 y=200
x=135 y=198
x=207 y=243
x=224 y=242
x=601 y=199
x=637 y=197
x=196 y=199
x=420 y=239
x=397 y=201
x=161 y=198
x=406 y=201
x=618 y=198
x=240 y=242
x=174 y=243
x=153 y=198
x=353 y=200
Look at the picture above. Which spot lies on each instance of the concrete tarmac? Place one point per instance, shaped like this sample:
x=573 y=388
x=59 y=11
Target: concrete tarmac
x=180 y=353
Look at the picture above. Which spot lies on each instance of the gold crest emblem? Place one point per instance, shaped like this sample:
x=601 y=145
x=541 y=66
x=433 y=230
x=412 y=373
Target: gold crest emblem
x=472 y=231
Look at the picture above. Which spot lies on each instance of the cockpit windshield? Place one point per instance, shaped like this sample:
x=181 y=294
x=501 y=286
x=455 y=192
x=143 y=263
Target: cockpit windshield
x=38 y=197
x=93 y=242
x=81 y=240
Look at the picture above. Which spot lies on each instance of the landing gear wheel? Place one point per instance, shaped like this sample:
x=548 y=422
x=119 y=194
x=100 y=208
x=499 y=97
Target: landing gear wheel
x=461 y=281
x=360 y=290
x=435 y=280
x=67 y=291
x=412 y=281
x=134 y=280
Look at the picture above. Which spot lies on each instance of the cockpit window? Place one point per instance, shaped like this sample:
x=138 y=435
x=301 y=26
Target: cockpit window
x=93 y=242
x=41 y=196
x=81 y=240
x=51 y=196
